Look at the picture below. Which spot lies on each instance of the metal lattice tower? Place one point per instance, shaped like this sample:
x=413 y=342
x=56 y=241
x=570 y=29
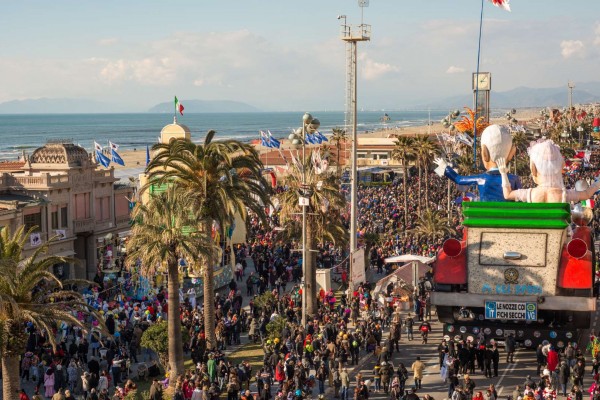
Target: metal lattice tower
x=351 y=35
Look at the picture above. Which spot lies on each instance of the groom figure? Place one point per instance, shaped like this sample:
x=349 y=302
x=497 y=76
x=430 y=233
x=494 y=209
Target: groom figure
x=496 y=141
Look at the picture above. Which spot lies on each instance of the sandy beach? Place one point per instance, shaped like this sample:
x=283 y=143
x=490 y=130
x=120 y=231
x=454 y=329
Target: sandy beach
x=135 y=160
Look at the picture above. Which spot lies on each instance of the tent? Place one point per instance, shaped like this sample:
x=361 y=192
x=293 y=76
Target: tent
x=406 y=258
x=404 y=274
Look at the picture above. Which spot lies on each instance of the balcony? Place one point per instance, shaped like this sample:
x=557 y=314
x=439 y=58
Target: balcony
x=45 y=181
x=123 y=220
x=104 y=176
x=83 y=225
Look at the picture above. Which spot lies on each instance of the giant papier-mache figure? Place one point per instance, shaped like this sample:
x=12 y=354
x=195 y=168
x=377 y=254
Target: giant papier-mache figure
x=496 y=143
x=546 y=164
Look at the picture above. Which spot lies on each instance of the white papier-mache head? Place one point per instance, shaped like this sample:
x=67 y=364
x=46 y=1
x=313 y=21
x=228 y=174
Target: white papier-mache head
x=546 y=163
x=496 y=142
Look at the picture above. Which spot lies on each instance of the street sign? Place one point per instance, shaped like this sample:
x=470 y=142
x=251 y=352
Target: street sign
x=511 y=310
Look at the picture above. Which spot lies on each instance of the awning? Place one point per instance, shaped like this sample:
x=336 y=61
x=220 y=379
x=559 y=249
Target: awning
x=124 y=234
x=405 y=258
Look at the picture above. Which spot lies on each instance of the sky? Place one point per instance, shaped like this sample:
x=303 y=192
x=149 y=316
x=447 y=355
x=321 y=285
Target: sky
x=281 y=55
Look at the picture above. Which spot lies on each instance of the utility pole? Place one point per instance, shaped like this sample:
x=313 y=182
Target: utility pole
x=570 y=85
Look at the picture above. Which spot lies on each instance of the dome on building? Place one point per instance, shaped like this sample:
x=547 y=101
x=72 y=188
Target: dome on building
x=63 y=154
x=175 y=131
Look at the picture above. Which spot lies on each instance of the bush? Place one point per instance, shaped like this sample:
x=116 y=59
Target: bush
x=156 y=338
x=275 y=327
x=265 y=301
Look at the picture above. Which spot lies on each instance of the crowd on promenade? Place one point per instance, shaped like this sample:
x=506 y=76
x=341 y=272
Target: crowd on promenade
x=381 y=211
x=299 y=360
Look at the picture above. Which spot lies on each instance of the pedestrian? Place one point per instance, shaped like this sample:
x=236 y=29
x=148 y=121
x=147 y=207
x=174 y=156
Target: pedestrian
x=509 y=347
x=468 y=386
x=345 y=383
x=417 y=368
x=424 y=328
x=408 y=323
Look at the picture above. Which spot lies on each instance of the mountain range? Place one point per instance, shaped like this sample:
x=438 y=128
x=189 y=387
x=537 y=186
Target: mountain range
x=520 y=97
x=206 y=106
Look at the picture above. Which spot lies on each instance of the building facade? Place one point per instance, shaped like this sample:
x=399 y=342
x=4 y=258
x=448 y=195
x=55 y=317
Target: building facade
x=61 y=191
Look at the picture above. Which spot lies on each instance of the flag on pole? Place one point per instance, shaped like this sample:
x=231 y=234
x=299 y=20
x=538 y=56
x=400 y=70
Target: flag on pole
x=310 y=139
x=116 y=158
x=274 y=142
x=503 y=4
x=322 y=137
x=100 y=157
x=264 y=140
x=282 y=155
x=178 y=106
x=147 y=155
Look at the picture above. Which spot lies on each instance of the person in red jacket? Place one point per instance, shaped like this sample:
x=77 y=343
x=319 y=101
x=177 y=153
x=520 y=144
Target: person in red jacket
x=552 y=359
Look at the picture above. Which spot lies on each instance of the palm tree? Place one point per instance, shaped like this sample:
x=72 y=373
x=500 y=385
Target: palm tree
x=432 y=225
x=404 y=152
x=224 y=178
x=162 y=234
x=426 y=151
x=339 y=136
x=322 y=215
x=29 y=292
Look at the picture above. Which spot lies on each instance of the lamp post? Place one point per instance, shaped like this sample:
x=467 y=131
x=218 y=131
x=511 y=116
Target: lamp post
x=579 y=131
x=309 y=125
x=447 y=123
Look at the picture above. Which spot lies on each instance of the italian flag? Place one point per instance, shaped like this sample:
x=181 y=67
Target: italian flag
x=178 y=106
x=503 y=4
x=588 y=203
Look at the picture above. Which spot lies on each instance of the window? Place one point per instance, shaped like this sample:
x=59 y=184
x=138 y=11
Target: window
x=64 y=223
x=32 y=220
x=54 y=219
x=102 y=205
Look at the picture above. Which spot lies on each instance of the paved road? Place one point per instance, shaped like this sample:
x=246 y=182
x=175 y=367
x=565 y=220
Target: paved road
x=509 y=375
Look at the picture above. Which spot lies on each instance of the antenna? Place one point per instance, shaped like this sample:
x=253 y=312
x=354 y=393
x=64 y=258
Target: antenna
x=362 y=4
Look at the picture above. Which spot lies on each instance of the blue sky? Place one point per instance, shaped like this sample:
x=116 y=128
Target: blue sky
x=287 y=55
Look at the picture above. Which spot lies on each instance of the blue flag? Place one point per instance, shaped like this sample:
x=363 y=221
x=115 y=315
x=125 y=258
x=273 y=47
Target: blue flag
x=147 y=155
x=102 y=159
x=116 y=158
x=322 y=137
x=264 y=140
x=274 y=142
x=310 y=139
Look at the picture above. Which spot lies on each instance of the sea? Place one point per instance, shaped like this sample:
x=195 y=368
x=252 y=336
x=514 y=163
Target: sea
x=24 y=133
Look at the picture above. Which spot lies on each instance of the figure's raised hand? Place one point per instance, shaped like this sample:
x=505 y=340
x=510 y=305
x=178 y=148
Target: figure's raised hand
x=501 y=163
x=442 y=164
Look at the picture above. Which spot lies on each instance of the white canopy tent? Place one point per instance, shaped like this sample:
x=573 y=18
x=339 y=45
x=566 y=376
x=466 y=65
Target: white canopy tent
x=406 y=258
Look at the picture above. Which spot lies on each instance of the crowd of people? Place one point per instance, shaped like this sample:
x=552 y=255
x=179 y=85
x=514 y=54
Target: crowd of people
x=300 y=360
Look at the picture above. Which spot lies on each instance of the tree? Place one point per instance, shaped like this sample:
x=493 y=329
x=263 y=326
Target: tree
x=30 y=293
x=223 y=178
x=163 y=233
x=404 y=152
x=432 y=225
x=425 y=151
x=339 y=136
x=322 y=215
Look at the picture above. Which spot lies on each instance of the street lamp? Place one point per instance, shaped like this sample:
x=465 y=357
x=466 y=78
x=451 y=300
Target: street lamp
x=580 y=131
x=309 y=125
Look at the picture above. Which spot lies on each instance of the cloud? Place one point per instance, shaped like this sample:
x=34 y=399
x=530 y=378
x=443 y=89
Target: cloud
x=455 y=70
x=572 y=49
x=372 y=70
x=107 y=41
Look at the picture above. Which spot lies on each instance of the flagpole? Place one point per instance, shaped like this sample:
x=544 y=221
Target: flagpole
x=477 y=89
